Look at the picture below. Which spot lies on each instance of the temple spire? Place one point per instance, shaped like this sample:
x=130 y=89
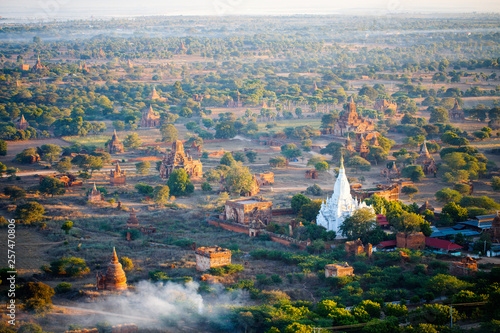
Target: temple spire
x=115 y=257
x=341 y=161
x=95 y=188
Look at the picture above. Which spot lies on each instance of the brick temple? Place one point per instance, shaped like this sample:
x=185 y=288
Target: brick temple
x=178 y=159
x=351 y=121
x=337 y=270
x=150 y=118
x=245 y=211
x=212 y=256
x=115 y=145
x=117 y=175
x=95 y=195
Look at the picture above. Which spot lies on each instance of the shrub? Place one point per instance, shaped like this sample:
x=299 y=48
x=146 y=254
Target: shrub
x=67 y=266
x=126 y=263
x=63 y=287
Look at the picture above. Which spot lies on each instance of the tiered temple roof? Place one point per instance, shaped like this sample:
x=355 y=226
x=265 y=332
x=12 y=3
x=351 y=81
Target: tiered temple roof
x=178 y=159
x=351 y=121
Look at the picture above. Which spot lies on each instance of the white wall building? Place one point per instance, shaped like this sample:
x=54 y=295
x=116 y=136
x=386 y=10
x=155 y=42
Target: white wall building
x=341 y=205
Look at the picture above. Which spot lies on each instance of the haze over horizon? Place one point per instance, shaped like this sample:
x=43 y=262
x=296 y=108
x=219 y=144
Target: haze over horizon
x=71 y=9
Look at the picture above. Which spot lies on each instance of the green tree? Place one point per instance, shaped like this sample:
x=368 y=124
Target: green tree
x=290 y=151
x=225 y=130
x=278 y=162
x=206 y=187
x=495 y=183
x=143 y=167
x=251 y=155
x=227 y=159
x=410 y=190
x=179 y=183
x=439 y=115
x=3 y=169
x=144 y=189
x=132 y=141
x=49 y=152
x=454 y=212
x=67 y=226
x=3 y=148
x=239 y=179
x=67 y=266
x=310 y=211
x=446 y=195
x=409 y=222
x=127 y=264
x=298 y=328
x=481 y=202
x=64 y=165
x=322 y=166
x=14 y=192
x=444 y=284
x=37 y=296
x=169 y=133
x=30 y=327
x=359 y=224
x=29 y=212
x=239 y=156
x=299 y=200
x=52 y=186
x=357 y=162
x=161 y=194
x=92 y=163
x=414 y=172
x=461 y=188
x=325 y=307
x=377 y=154
x=27 y=156
x=119 y=125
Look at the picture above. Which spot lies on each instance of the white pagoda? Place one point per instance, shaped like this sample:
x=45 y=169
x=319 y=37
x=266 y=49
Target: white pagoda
x=341 y=205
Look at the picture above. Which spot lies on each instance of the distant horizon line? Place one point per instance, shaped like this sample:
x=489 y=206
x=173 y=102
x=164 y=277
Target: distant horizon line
x=28 y=17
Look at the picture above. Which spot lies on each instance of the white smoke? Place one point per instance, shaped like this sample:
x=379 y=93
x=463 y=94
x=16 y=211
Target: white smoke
x=157 y=305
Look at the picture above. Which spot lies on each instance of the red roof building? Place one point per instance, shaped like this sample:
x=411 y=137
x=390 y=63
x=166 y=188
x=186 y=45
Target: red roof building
x=382 y=220
x=441 y=244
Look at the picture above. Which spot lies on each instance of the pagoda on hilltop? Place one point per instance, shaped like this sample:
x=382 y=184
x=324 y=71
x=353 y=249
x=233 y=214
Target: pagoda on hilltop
x=178 y=159
x=351 y=121
x=341 y=205
x=114 y=279
x=115 y=146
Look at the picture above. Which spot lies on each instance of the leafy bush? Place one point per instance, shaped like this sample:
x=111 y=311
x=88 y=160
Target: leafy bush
x=67 y=266
x=63 y=287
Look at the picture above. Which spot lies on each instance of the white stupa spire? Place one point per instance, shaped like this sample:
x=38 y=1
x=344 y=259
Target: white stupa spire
x=341 y=204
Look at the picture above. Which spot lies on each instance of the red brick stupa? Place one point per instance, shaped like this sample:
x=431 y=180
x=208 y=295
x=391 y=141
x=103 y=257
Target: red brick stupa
x=115 y=279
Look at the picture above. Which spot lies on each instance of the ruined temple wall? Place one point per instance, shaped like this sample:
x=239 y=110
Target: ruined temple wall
x=414 y=241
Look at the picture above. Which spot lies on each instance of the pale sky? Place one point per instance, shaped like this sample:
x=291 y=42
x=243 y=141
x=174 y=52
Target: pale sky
x=86 y=8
